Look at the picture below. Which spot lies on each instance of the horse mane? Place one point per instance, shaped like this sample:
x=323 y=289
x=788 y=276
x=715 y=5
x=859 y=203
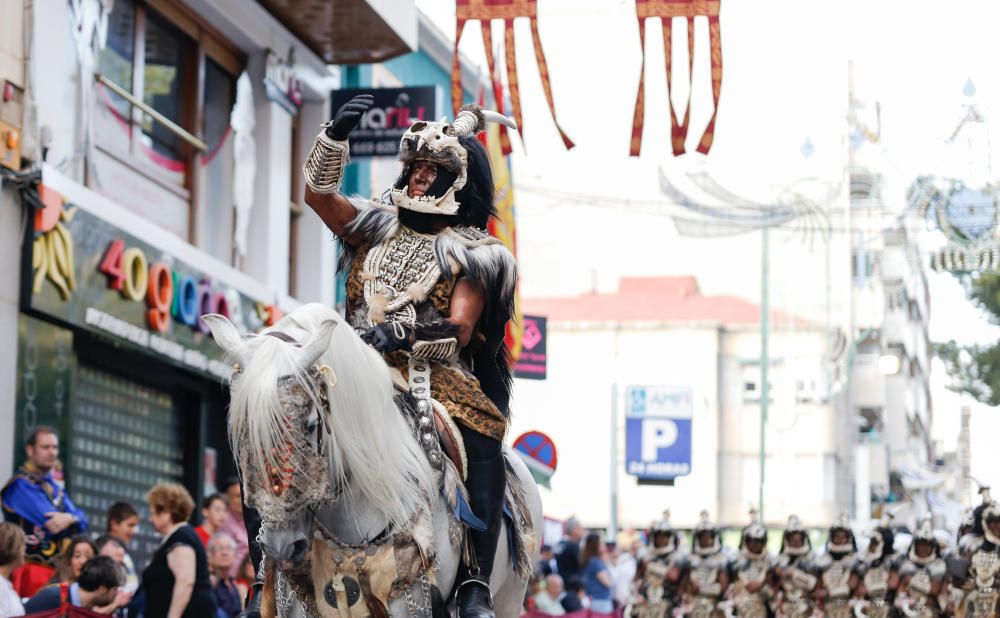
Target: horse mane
x=371 y=451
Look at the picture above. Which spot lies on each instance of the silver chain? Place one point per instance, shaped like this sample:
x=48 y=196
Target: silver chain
x=417 y=610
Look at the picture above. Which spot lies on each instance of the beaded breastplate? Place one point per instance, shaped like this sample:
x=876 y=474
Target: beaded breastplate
x=399 y=272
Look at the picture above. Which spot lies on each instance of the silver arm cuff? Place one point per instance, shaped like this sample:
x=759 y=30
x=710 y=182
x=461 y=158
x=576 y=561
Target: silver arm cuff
x=324 y=167
x=439 y=350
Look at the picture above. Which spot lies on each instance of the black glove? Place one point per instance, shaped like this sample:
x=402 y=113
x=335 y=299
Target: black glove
x=348 y=117
x=389 y=337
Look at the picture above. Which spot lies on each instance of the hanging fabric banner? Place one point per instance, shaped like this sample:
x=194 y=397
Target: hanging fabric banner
x=485 y=11
x=667 y=10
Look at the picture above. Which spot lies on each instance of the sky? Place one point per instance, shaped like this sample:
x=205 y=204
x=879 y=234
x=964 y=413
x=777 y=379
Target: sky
x=789 y=69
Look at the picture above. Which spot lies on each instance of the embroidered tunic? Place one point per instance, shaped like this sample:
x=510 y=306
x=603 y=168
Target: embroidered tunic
x=398 y=275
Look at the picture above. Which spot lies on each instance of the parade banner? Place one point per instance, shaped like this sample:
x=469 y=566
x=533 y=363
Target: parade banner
x=485 y=11
x=667 y=10
x=658 y=432
x=502 y=226
x=383 y=125
x=532 y=362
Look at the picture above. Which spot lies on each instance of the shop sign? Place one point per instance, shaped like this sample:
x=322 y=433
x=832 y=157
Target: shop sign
x=382 y=126
x=89 y=273
x=281 y=83
x=658 y=431
x=531 y=364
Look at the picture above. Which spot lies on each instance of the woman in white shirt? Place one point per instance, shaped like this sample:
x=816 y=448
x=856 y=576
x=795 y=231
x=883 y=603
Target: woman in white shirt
x=11 y=557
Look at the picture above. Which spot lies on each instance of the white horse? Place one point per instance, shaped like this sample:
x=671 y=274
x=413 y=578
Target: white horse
x=322 y=445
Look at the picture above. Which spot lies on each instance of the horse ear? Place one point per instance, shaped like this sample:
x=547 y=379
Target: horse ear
x=225 y=334
x=314 y=348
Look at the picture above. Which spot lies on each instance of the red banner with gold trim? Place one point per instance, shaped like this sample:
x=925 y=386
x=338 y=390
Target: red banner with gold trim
x=687 y=10
x=508 y=10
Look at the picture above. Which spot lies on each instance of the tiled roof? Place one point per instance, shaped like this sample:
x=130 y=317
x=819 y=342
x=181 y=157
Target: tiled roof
x=652 y=299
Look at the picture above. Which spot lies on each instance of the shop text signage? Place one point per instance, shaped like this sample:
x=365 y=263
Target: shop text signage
x=383 y=125
x=89 y=273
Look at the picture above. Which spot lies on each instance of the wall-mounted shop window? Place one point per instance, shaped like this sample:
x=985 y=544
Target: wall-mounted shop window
x=165 y=88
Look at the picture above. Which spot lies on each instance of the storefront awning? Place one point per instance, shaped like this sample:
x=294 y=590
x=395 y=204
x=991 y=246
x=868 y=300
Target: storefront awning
x=350 y=31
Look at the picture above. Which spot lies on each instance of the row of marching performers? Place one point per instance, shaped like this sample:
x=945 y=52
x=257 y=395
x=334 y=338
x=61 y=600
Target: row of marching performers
x=924 y=580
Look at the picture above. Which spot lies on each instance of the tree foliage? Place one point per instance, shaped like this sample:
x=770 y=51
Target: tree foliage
x=975 y=369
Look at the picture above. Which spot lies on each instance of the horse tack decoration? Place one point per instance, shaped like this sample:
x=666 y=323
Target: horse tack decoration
x=485 y=11
x=667 y=10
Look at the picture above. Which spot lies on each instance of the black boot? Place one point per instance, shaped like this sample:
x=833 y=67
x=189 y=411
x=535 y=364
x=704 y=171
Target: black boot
x=486 y=483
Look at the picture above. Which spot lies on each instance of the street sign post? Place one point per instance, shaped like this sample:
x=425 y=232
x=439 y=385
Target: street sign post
x=658 y=432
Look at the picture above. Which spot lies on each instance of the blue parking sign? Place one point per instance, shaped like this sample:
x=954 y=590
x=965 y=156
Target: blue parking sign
x=658 y=432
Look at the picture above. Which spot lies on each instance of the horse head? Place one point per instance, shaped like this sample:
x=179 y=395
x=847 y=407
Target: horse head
x=279 y=428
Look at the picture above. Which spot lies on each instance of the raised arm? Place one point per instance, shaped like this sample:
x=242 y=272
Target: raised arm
x=324 y=168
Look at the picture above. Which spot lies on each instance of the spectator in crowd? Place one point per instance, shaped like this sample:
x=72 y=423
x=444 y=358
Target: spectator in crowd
x=113 y=548
x=596 y=574
x=221 y=555
x=549 y=600
x=12 y=544
x=79 y=551
x=233 y=524
x=547 y=561
x=213 y=514
x=572 y=601
x=534 y=587
x=33 y=500
x=123 y=522
x=623 y=573
x=176 y=582
x=568 y=561
x=96 y=589
x=245 y=577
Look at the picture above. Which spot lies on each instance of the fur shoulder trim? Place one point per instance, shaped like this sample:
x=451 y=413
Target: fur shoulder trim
x=375 y=222
x=481 y=258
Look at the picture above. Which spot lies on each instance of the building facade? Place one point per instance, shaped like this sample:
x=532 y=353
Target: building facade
x=665 y=332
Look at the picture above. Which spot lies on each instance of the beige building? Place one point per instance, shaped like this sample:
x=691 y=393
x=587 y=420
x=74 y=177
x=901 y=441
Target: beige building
x=663 y=331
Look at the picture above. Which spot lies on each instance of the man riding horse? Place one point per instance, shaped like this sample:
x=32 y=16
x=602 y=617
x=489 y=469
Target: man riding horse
x=431 y=290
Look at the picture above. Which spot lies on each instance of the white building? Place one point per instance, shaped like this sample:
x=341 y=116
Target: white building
x=663 y=331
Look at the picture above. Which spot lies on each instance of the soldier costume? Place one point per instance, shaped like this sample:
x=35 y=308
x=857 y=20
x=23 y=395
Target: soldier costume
x=659 y=574
x=752 y=573
x=707 y=572
x=836 y=570
x=794 y=572
x=876 y=572
x=922 y=575
x=984 y=563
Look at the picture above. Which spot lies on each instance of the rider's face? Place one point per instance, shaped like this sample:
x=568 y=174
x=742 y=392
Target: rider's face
x=755 y=546
x=993 y=525
x=422 y=175
x=840 y=537
x=705 y=539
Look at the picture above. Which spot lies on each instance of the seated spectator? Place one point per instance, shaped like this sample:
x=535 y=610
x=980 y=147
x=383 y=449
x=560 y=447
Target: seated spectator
x=221 y=556
x=77 y=553
x=245 y=577
x=113 y=548
x=548 y=601
x=572 y=601
x=123 y=522
x=213 y=514
x=12 y=545
x=95 y=589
